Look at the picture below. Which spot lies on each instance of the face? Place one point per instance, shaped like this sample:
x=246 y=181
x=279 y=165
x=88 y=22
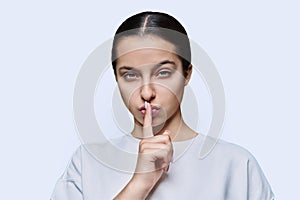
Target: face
x=148 y=70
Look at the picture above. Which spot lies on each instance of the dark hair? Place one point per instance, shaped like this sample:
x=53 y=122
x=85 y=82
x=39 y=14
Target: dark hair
x=157 y=24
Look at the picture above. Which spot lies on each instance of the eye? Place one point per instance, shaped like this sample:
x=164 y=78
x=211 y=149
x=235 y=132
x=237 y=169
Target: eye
x=164 y=73
x=130 y=76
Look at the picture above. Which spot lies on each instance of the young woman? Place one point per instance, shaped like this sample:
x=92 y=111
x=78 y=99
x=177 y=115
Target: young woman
x=151 y=59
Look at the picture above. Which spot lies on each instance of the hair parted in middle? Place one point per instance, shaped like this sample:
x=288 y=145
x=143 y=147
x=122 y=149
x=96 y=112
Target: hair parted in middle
x=155 y=24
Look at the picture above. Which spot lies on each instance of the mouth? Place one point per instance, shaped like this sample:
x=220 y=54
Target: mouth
x=154 y=110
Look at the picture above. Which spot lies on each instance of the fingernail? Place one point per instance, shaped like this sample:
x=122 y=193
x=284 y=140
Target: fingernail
x=166 y=132
x=146 y=104
x=167 y=169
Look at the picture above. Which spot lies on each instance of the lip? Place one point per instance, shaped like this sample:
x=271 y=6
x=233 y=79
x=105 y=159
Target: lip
x=154 y=110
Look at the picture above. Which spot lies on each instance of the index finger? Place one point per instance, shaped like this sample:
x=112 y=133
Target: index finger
x=147 y=126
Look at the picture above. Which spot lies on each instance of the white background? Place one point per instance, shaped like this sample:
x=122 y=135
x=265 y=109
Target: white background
x=255 y=46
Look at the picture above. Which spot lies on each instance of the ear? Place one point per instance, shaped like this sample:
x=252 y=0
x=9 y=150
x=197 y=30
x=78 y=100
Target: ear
x=188 y=74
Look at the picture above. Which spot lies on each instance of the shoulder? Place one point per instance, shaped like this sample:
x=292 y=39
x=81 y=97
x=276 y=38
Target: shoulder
x=230 y=150
x=240 y=163
x=225 y=153
x=109 y=149
x=235 y=149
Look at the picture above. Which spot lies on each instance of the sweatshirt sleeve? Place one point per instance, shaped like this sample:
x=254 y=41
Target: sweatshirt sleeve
x=258 y=186
x=69 y=185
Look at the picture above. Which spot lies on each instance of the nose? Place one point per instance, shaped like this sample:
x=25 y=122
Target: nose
x=148 y=92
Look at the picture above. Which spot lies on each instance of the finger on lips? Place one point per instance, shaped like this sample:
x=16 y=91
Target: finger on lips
x=147 y=126
x=160 y=144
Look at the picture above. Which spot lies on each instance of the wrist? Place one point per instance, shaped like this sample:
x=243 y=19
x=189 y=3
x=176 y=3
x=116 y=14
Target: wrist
x=135 y=189
x=140 y=182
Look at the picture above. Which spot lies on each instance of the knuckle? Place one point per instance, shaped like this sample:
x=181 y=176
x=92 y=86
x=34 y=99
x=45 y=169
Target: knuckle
x=142 y=142
x=142 y=149
x=167 y=138
x=142 y=146
x=165 y=152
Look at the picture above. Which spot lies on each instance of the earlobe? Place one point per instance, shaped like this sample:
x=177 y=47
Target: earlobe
x=188 y=74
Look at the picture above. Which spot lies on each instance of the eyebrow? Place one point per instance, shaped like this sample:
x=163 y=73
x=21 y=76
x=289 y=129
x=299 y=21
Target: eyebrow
x=155 y=66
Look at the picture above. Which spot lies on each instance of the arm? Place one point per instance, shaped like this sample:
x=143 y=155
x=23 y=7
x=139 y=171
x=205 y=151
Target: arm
x=258 y=186
x=68 y=187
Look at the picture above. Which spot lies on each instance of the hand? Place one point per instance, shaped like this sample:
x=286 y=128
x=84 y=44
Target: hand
x=155 y=153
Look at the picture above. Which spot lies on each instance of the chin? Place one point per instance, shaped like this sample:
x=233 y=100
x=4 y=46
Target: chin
x=157 y=121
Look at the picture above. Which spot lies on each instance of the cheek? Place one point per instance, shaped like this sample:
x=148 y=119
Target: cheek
x=176 y=84
x=173 y=91
x=125 y=93
x=171 y=96
x=129 y=95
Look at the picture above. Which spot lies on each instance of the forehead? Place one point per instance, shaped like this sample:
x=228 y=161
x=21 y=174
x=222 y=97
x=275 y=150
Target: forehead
x=136 y=50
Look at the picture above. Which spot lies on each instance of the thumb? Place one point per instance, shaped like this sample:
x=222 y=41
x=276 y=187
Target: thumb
x=167 y=132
